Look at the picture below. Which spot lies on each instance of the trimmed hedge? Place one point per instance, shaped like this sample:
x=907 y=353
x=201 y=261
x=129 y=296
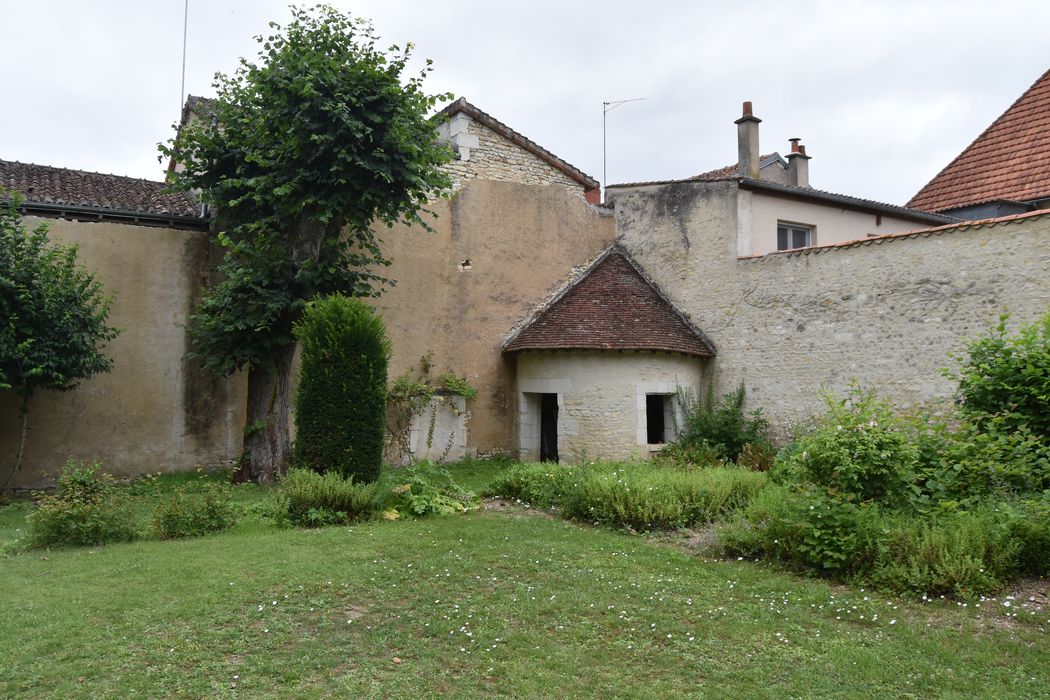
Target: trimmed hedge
x=340 y=405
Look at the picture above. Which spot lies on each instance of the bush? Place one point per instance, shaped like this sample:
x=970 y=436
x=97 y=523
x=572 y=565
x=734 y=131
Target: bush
x=860 y=451
x=85 y=510
x=425 y=489
x=194 y=514
x=341 y=400
x=640 y=497
x=724 y=427
x=1008 y=377
x=312 y=499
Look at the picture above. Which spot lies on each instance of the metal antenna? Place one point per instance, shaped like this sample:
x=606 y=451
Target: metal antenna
x=182 y=87
x=606 y=108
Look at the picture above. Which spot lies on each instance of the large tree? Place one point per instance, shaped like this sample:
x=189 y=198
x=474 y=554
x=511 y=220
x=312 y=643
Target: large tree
x=52 y=316
x=301 y=154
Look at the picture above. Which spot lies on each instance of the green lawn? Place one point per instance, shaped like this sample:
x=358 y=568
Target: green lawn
x=489 y=604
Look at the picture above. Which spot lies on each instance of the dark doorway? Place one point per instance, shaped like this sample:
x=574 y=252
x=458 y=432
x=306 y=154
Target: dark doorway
x=548 y=427
x=654 y=411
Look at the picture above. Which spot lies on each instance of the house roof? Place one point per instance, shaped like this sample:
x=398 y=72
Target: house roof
x=728 y=172
x=462 y=106
x=54 y=189
x=1010 y=160
x=612 y=305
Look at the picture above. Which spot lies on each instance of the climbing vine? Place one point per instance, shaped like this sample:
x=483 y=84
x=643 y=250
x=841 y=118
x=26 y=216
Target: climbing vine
x=409 y=396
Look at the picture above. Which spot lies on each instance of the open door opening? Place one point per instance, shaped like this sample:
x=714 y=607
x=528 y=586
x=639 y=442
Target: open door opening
x=548 y=427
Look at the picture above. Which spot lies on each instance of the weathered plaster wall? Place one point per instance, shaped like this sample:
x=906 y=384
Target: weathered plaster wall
x=601 y=399
x=498 y=249
x=156 y=410
x=886 y=313
x=496 y=158
x=831 y=224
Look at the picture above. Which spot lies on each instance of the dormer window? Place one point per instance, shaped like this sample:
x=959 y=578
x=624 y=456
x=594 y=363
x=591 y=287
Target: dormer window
x=791 y=236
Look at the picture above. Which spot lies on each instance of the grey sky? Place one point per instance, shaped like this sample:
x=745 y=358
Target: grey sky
x=883 y=94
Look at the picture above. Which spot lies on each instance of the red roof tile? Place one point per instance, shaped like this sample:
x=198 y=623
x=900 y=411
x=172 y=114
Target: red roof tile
x=43 y=184
x=612 y=306
x=1009 y=161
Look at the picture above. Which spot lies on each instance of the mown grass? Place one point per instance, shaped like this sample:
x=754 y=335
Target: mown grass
x=481 y=605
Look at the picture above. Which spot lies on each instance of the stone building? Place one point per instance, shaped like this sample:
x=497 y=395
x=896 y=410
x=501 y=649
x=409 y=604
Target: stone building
x=577 y=322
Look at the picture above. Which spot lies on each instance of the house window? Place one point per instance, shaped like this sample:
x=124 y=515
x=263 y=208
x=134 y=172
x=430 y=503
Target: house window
x=791 y=236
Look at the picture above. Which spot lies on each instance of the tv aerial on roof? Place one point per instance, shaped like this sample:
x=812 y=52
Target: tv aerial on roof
x=606 y=108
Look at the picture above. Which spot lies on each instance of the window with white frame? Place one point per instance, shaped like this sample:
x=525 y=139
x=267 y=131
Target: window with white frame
x=791 y=236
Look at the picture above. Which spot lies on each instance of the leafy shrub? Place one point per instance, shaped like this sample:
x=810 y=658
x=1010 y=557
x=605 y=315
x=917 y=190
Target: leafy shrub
x=724 y=427
x=1008 y=378
x=341 y=400
x=637 y=496
x=312 y=499
x=1029 y=523
x=860 y=451
x=757 y=457
x=426 y=489
x=194 y=514
x=85 y=510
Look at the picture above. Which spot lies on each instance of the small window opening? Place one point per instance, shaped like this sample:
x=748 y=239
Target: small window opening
x=791 y=236
x=655 y=423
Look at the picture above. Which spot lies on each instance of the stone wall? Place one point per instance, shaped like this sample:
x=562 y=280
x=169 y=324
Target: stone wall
x=886 y=312
x=498 y=249
x=497 y=158
x=156 y=410
x=601 y=399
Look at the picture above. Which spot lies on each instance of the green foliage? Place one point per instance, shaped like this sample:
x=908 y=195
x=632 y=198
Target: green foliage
x=1006 y=379
x=300 y=154
x=723 y=427
x=860 y=452
x=426 y=489
x=636 y=496
x=52 y=312
x=311 y=499
x=194 y=514
x=85 y=510
x=341 y=400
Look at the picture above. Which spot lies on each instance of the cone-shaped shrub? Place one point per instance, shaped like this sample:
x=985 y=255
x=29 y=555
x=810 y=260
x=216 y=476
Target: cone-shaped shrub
x=341 y=402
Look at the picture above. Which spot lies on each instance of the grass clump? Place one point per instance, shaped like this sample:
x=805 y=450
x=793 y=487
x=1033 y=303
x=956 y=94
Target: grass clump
x=87 y=509
x=194 y=514
x=636 y=496
x=310 y=499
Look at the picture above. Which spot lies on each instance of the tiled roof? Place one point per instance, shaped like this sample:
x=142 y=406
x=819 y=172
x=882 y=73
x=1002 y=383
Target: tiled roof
x=1009 y=161
x=461 y=105
x=43 y=184
x=728 y=172
x=612 y=306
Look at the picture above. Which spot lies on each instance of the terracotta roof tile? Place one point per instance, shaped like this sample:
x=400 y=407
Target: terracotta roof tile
x=1010 y=160
x=43 y=184
x=612 y=306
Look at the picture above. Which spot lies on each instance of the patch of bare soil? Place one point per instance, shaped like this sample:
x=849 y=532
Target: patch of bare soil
x=514 y=508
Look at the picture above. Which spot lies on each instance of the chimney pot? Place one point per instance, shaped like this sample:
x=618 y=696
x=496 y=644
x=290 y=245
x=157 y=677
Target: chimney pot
x=802 y=149
x=794 y=144
x=747 y=109
x=798 y=164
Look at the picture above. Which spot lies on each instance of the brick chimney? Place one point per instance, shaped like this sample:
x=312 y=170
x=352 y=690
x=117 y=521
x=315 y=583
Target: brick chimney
x=798 y=164
x=747 y=143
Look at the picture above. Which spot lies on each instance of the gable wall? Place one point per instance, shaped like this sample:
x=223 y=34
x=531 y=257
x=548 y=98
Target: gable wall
x=497 y=158
x=886 y=314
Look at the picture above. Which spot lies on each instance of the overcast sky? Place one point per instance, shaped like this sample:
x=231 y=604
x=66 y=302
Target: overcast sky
x=883 y=94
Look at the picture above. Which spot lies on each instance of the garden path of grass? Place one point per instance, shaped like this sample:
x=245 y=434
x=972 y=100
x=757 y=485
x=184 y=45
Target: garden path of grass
x=484 y=605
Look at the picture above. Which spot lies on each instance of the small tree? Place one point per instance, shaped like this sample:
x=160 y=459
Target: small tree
x=302 y=154
x=52 y=316
x=340 y=407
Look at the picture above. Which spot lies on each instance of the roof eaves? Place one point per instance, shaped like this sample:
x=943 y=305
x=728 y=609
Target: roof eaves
x=807 y=193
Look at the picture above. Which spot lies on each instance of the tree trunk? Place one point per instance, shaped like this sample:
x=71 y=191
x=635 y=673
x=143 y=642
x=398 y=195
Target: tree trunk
x=267 y=439
x=21 y=445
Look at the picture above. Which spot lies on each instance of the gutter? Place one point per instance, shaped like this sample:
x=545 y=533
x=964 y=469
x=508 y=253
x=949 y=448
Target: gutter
x=80 y=212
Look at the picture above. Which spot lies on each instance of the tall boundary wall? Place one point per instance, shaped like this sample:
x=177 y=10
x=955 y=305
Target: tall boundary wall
x=886 y=312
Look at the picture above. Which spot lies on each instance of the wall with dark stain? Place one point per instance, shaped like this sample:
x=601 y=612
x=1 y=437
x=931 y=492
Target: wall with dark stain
x=156 y=410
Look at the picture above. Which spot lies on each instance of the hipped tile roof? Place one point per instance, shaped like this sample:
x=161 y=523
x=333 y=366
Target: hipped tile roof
x=612 y=306
x=43 y=184
x=1010 y=160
